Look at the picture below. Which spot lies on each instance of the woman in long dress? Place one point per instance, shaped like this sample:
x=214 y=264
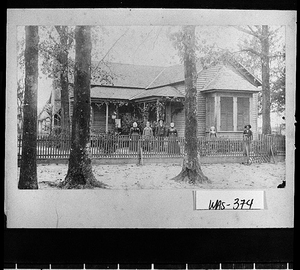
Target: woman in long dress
x=134 y=134
x=172 y=134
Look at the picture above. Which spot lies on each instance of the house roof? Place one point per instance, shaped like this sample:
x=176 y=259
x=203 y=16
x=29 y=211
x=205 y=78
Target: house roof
x=133 y=82
x=168 y=75
x=108 y=92
x=226 y=78
x=138 y=76
x=217 y=77
x=126 y=75
x=164 y=91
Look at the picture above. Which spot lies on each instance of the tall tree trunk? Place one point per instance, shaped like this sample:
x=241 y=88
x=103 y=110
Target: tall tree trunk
x=64 y=82
x=28 y=171
x=266 y=100
x=191 y=169
x=80 y=173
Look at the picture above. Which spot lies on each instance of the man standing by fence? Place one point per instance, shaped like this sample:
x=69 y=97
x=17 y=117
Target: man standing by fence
x=147 y=136
x=247 y=137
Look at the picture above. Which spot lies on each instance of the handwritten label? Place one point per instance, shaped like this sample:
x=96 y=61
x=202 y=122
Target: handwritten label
x=229 y=199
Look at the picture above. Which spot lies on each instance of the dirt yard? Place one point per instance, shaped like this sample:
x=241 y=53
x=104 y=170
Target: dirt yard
x=158 y=176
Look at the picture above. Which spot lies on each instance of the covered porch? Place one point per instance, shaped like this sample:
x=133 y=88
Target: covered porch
x=115 y=111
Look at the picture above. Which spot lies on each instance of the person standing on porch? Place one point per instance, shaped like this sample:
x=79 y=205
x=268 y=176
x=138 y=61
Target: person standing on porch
x=147 y=136
x=134 y=134
x=247 y=137
x=173 y=147
x=160 y=133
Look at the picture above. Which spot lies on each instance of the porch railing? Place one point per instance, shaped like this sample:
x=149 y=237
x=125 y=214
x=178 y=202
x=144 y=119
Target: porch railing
x=107 y=146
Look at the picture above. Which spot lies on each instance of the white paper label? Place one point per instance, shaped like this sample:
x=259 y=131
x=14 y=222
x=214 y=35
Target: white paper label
x=229 y=199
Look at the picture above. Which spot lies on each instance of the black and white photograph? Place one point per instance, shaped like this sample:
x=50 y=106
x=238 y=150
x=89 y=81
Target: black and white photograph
x=137 y=114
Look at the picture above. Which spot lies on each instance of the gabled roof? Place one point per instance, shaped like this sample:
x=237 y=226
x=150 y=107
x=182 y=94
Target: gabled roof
x=229 y=58
x=207 y=75
x=228 y=79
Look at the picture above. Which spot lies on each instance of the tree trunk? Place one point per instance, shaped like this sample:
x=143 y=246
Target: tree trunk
x=80 y=173
x=191 y=169
x=64 y=82
x=266 y=100
x=28 y=171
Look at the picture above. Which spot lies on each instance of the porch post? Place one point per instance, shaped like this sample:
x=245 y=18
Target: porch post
x=106 y=117
x=234 y=113
x=145 y=113
x=157 y=112
x=39 y=127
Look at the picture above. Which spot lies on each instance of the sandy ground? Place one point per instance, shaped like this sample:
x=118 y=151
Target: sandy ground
x=158 y=176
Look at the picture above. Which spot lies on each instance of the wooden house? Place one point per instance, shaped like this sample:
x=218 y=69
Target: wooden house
x=227 y=97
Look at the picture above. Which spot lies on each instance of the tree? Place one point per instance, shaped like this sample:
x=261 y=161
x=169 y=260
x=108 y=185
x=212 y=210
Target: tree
x=80 y=174
x=265 y=74
x=191 y=169
x=260 y=48
x=65 y=43
x=28 y=171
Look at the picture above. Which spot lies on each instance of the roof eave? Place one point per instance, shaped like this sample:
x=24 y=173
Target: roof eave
x=230 y=90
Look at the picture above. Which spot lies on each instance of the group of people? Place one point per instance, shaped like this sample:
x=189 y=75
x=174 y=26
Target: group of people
x=159 y=132
x=247 y=137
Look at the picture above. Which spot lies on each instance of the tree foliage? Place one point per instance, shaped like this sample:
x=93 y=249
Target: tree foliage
x=265 y=48
x=250 y=56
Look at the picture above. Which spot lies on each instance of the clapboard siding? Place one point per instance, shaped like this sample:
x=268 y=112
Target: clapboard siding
x=179 y=121
x=254 y=115
x=210 y=112
x=201 y=114
x=204 y=78
x=99 y=118
x=179 y=118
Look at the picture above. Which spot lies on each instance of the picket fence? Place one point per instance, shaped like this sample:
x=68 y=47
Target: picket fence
x=108 y=146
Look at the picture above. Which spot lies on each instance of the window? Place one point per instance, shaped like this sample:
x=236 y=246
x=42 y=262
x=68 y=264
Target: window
x=243 y=112
x=226 y=113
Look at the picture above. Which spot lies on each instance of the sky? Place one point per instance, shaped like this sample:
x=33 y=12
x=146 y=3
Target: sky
x=140 y=45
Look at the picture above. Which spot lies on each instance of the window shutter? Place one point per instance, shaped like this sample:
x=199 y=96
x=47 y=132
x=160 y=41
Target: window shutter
x=226 y=113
